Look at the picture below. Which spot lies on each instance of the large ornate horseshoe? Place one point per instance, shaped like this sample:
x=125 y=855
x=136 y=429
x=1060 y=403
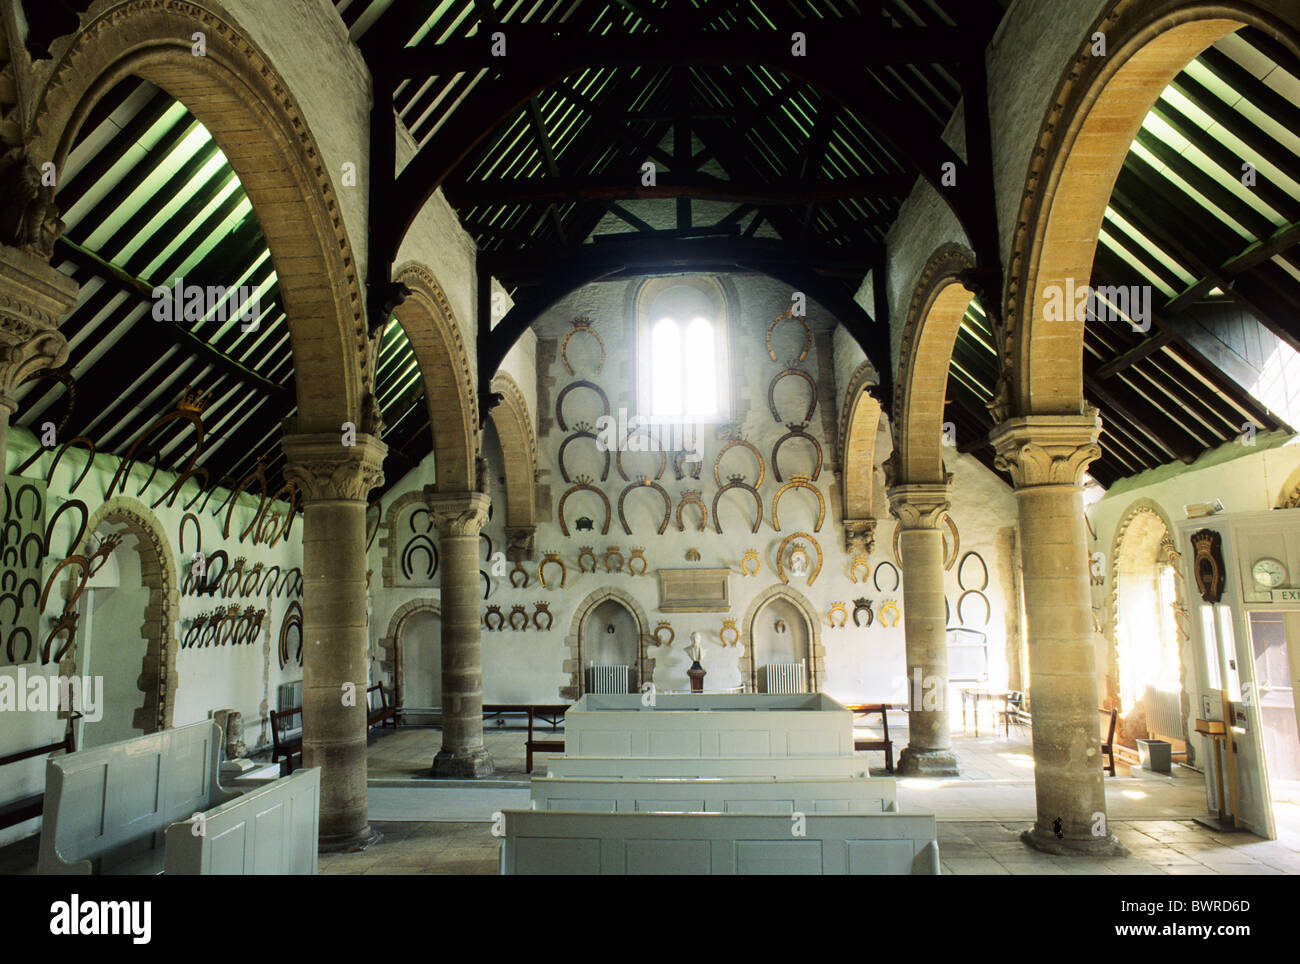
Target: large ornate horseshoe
x=644 y=484
x=582 y=325
x=796 y=431
x=663 y=456
x=717 y=462
x=780 y=556
x=807 y=333
x=800 y=482
x=771 y=393
x=692 y=497
x=584 y=482
x=736 y=483
x=582 y=383
x=583 y=430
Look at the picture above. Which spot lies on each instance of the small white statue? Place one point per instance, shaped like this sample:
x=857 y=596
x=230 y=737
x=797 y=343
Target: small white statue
x=799 y=561
x=694 y=650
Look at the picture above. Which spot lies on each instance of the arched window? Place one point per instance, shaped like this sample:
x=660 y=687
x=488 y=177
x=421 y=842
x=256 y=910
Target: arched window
x=682 y=370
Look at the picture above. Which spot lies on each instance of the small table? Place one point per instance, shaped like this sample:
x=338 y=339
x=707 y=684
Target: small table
x=975 y=694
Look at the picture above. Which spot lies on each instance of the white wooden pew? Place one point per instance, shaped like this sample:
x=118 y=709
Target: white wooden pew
x=569 y=842
x=714 y=795
x=653 y=768
x=108 y=808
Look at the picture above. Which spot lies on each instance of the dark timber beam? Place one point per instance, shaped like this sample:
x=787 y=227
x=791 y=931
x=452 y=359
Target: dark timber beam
x=704 y=187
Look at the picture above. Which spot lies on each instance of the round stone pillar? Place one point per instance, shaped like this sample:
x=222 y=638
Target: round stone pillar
x=334 y=479
x=1046 y=456
x=919 y=509
x=459 y=517
x=33 y=297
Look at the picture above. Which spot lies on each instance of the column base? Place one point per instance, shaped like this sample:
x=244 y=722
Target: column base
x=1049 y=843
x=463 y=765
x=350 y=843
x=927 y=763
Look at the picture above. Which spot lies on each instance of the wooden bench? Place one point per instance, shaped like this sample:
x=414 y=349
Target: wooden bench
x=755 y=795
x=286 y=740
x=383 y=714
x=860 y=710
x=549 y=712
x=685 y=768
x=576 y=842
x=33 y=804
x=112 y=809
x=1108 y=745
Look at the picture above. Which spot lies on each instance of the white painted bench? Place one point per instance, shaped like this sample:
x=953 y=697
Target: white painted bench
x=107 y=809
x=731 y=795
x=570 y=842
x=654 y=768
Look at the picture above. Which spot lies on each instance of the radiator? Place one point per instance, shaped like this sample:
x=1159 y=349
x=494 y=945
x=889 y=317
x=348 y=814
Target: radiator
x=288 y=694
x=1163 y=712
x=608 y=679
x=782 y=678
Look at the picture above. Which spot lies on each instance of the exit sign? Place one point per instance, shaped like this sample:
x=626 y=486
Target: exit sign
x=1285 y=595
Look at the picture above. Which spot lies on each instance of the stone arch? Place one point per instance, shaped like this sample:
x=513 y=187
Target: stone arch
x=519 y=443
x=1143 y=538
x=449 y=391
x=1289 y=495
x=934 y=316
x=573 y=665
x=238 y=95
x=816 y=653
x=1096 y=111
x=392 y=662
x=859 y=428
x=157 y=680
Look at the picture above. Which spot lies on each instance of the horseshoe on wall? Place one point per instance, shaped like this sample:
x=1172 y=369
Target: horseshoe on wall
x=582 y=432
x=771 y=393
x=487 y=583
x=780 y=556
x=789 y=315
x=583 y=326
x=9 y=644
x=420 y=543
x=961 y=600
x=64 y=377
x=582 y=383
x=949 y=558
x=800 y=482
x=410 y=520
x=198 y=533
x=797 y=431
x=692 y=497
x=18 y=501
x=80 y=441
x=644 y=484
x=737 y=483
x=292 y=619
x=40 y=549
x=717 y=461
x=209 y=584
x=618 y=458
x=875 y=579
x=961 y=570
x=267 y=581
x=584 y=482
x=679 y=458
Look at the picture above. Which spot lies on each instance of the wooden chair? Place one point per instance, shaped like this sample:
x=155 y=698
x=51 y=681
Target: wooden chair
x=1108 y=745
x=541 y=746
x=382 y=714
x=866 y=743
x=33 y=804
x=1013 y=711
x=286 y=740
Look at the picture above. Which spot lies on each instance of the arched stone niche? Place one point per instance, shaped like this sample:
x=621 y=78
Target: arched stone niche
x=392 y=660
x=794 y=602
x=644 y=666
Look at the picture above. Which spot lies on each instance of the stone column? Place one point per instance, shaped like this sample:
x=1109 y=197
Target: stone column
x=33 y=297
x=459 y=517
x=919 y=509
x=1046 y=456
x=334 y=480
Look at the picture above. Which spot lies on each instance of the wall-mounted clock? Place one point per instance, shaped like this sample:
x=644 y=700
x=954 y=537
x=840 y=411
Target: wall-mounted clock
x=1207 y=564
x=1269 y=572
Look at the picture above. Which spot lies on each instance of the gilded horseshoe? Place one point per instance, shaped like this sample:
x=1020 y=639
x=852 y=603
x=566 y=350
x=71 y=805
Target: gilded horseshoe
x=860 y=562
x=583 y=383
x=582 y=432
x=717 y=462
x=807 y=333
x=692 y=497
x=729 y=626
x=659 y=629
x=771 y=393
x=551 y=558
x=956 y=542
x=586 y=553
x=518 y=570
x=735 y=483
x=780 y=557
x=889 y=607
x=539 y=610
x=838 y=607
x=611 y=552
x=648 y=484
x=800 y=482
x=584 y=482
x=796 y=431
x=583 y=326
x=637 y=555
x=751 y=555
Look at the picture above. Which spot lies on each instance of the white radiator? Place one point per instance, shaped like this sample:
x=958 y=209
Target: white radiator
x=1164 y=712
x=288 y=694
x=608 y=679
x=782 y=678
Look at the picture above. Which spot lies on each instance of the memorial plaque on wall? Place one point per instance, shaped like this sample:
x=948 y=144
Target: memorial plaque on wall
x=694 y=590
x=22 y=549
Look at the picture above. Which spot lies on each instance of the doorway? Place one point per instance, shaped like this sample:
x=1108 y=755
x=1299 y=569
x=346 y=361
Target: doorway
x=1275 y=650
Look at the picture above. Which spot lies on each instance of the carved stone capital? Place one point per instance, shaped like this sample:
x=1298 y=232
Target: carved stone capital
x=519 y=542
x=1047 y=449
x=859 y=536
x=919 y=505
x=327 y=470
x=33 y=297
x=457 y=513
